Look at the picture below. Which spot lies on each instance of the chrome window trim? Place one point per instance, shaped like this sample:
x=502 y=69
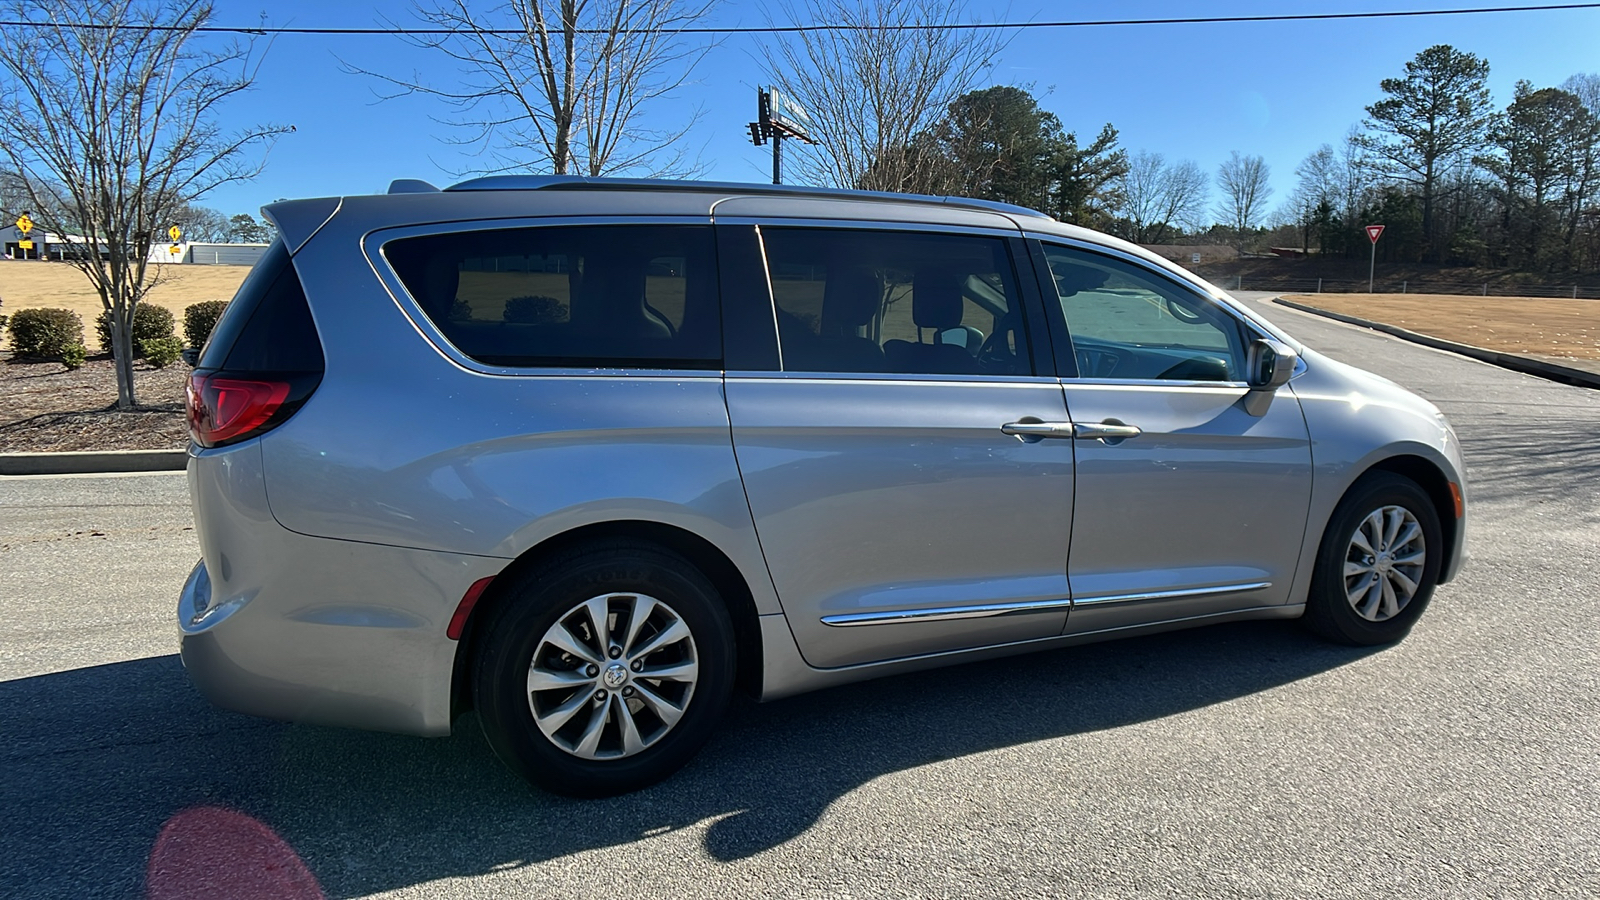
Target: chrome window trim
x=373 y=242
x=893 y=378
x=1158 y=384
x=988 y=610
x=772 y=299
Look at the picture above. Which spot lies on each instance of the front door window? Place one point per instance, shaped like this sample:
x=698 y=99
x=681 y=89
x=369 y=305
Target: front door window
x=1127 y=323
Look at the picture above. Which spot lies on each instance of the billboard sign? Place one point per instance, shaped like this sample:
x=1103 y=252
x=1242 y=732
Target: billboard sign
x=787 y=116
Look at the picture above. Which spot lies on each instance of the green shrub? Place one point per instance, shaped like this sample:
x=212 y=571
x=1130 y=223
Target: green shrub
x=534 y=310
x=200 y=318
x=162 y=352
x=150 y=322
x=74 y=355
x=45 y=333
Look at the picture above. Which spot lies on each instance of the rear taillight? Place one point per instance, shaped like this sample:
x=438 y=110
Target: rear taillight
x=224 y=409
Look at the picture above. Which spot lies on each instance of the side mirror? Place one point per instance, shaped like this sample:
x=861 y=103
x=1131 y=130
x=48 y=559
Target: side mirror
x=1270 y=366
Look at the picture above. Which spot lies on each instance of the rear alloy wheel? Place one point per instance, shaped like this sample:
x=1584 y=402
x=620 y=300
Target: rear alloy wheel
x=613 y=676
x=1378 y=563
x=604 y=670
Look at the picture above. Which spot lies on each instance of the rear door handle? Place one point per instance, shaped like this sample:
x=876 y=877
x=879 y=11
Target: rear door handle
x=1109 y=432
x=1031 y=429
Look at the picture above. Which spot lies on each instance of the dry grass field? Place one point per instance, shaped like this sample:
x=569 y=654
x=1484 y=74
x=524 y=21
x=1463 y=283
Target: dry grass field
x=27 y=284
x=1526 y=326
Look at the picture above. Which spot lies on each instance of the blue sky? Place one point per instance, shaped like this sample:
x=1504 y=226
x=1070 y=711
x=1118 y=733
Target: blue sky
x=1187 y=91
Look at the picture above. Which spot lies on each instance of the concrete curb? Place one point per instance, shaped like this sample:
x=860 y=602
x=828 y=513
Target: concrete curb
x=1524 y=364
x=79 y=462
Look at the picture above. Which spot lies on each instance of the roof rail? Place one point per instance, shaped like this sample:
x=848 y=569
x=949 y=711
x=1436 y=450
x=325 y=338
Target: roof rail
x=582 y=183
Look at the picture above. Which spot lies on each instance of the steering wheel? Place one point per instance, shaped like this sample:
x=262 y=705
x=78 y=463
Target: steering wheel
x=1198 y=368
x=993 y=354
x=1183 y=313
x=1096 y=363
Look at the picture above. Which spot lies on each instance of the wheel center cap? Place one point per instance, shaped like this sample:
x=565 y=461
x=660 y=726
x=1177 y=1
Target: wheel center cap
x=615 y=675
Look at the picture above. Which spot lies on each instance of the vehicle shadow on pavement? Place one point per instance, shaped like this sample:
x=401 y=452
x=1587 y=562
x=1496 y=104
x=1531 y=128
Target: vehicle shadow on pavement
x=1507 y=461
x=98 y=759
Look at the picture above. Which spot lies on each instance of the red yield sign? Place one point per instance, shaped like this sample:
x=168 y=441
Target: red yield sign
x=1374 y=232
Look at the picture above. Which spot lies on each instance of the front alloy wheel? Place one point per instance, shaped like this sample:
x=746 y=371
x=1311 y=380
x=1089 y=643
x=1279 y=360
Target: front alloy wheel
x=1378 y=562
x=1384 y=563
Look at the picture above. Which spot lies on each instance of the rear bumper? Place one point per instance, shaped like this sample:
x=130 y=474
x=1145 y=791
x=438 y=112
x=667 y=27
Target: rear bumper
x=317 y=630
x=365 y=648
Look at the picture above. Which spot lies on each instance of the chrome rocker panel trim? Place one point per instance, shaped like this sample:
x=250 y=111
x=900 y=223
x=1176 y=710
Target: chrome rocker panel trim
x=987 y=610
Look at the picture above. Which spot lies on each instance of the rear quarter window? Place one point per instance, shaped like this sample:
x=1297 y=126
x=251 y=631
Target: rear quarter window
x=601 y=296
x=267 y=327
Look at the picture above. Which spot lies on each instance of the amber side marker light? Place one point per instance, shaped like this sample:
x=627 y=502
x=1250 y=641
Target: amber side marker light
x=1455 y=494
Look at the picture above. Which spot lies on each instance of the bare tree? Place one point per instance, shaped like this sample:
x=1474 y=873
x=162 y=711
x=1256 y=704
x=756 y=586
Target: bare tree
x=1245 y=189
x=568 y=89
x=1584 y=195
x=1586 y=85
x=874 y=84
x=108 y=111
x=1357 y=170
x=1157 y=198
x=201 y=223
x=1312 y=205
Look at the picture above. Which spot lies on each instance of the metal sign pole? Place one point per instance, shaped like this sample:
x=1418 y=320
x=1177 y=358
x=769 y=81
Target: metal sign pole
x=777 y=158
x=1373 y=233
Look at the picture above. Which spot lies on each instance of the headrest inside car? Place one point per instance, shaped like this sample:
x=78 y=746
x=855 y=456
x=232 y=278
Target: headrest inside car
x=1071 y=279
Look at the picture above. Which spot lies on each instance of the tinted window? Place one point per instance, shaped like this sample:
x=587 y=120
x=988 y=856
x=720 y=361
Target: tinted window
x=1129 y=322
x=883 y=301
x=267 y=327
x=584 y=296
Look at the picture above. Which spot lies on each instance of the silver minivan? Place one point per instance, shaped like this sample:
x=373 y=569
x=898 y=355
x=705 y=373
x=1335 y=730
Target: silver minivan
x=588 y=456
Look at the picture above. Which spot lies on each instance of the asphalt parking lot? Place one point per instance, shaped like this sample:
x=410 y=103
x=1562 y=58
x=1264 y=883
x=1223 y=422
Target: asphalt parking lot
x=1234 y=761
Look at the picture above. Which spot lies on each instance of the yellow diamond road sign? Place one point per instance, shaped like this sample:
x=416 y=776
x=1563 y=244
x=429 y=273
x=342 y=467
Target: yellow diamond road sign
x=24 y=223
x=175 y=233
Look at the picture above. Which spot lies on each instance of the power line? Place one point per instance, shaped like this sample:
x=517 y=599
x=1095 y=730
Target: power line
x=800 y=29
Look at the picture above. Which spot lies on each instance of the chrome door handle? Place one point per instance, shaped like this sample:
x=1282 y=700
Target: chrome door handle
x=1110 y=431
x=1031 y=428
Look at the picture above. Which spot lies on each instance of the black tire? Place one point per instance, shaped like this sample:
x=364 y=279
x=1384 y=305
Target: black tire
x=1329 y=611
x=528 y=608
